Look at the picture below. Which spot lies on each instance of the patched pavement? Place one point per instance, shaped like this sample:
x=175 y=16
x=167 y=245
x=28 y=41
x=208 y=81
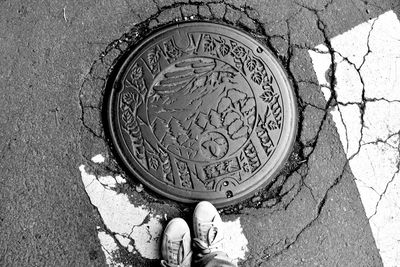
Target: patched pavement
x=63 y=204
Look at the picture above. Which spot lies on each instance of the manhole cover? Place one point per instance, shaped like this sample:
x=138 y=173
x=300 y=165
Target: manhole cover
x=202 y=111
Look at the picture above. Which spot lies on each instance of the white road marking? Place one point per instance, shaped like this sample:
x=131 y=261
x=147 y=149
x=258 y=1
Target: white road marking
x=98 y=158
x=368 y=58
x=120 y=179
x=235 y=242
x=122 y=217
x=109 y=247
x=107 y=181
x=135 y=227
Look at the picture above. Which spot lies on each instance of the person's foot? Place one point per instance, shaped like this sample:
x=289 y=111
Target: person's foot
x=207 y=228
x=176 y=246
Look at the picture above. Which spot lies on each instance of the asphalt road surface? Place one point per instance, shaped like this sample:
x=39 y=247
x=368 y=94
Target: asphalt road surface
x=65 y=199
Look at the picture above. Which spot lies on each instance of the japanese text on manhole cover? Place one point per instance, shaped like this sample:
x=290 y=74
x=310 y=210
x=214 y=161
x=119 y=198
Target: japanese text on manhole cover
x=201 y=111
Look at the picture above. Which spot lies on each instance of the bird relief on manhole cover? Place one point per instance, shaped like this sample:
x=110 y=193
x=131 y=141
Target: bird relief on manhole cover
x=200 y=110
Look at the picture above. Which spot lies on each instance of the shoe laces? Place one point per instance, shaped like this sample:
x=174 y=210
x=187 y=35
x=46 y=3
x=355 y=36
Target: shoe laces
x=177 y=256
x=210 y=237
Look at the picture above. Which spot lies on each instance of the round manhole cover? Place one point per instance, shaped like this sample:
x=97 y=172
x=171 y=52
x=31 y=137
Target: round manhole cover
x=201 y=111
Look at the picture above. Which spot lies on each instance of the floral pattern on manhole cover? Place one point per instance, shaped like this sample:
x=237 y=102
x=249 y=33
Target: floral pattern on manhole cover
x=201 y=111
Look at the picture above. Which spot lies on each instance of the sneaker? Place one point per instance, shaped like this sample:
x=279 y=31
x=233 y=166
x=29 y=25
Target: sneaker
x=176 y=248
x=207 y=228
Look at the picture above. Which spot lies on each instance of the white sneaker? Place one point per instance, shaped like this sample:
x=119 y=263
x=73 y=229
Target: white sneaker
x=176 y=250
x=207 y=228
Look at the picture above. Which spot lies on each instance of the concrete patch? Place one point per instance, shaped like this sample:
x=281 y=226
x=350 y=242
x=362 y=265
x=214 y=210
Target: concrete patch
x=366 y=113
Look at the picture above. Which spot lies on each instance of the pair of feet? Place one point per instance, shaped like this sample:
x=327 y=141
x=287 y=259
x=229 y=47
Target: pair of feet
x=176 y=245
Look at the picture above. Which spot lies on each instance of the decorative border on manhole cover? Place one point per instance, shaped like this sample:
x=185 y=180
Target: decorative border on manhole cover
x=200 y=110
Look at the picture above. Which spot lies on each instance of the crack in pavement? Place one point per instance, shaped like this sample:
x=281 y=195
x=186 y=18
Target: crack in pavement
x=320 y=207
x=386 y=188
x=375 y=161
x=127 y=250
x=298 y=162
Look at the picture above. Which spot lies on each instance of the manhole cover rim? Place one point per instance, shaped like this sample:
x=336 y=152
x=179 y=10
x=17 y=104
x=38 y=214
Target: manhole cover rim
x=288 y=134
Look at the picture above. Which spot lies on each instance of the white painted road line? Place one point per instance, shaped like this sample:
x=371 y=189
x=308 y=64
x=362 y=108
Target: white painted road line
x=98 y=158
x=123 y=218
x=367 y=74
x=136 y=228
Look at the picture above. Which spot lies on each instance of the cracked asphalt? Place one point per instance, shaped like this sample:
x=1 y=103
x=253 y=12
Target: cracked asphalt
x=55 y=59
